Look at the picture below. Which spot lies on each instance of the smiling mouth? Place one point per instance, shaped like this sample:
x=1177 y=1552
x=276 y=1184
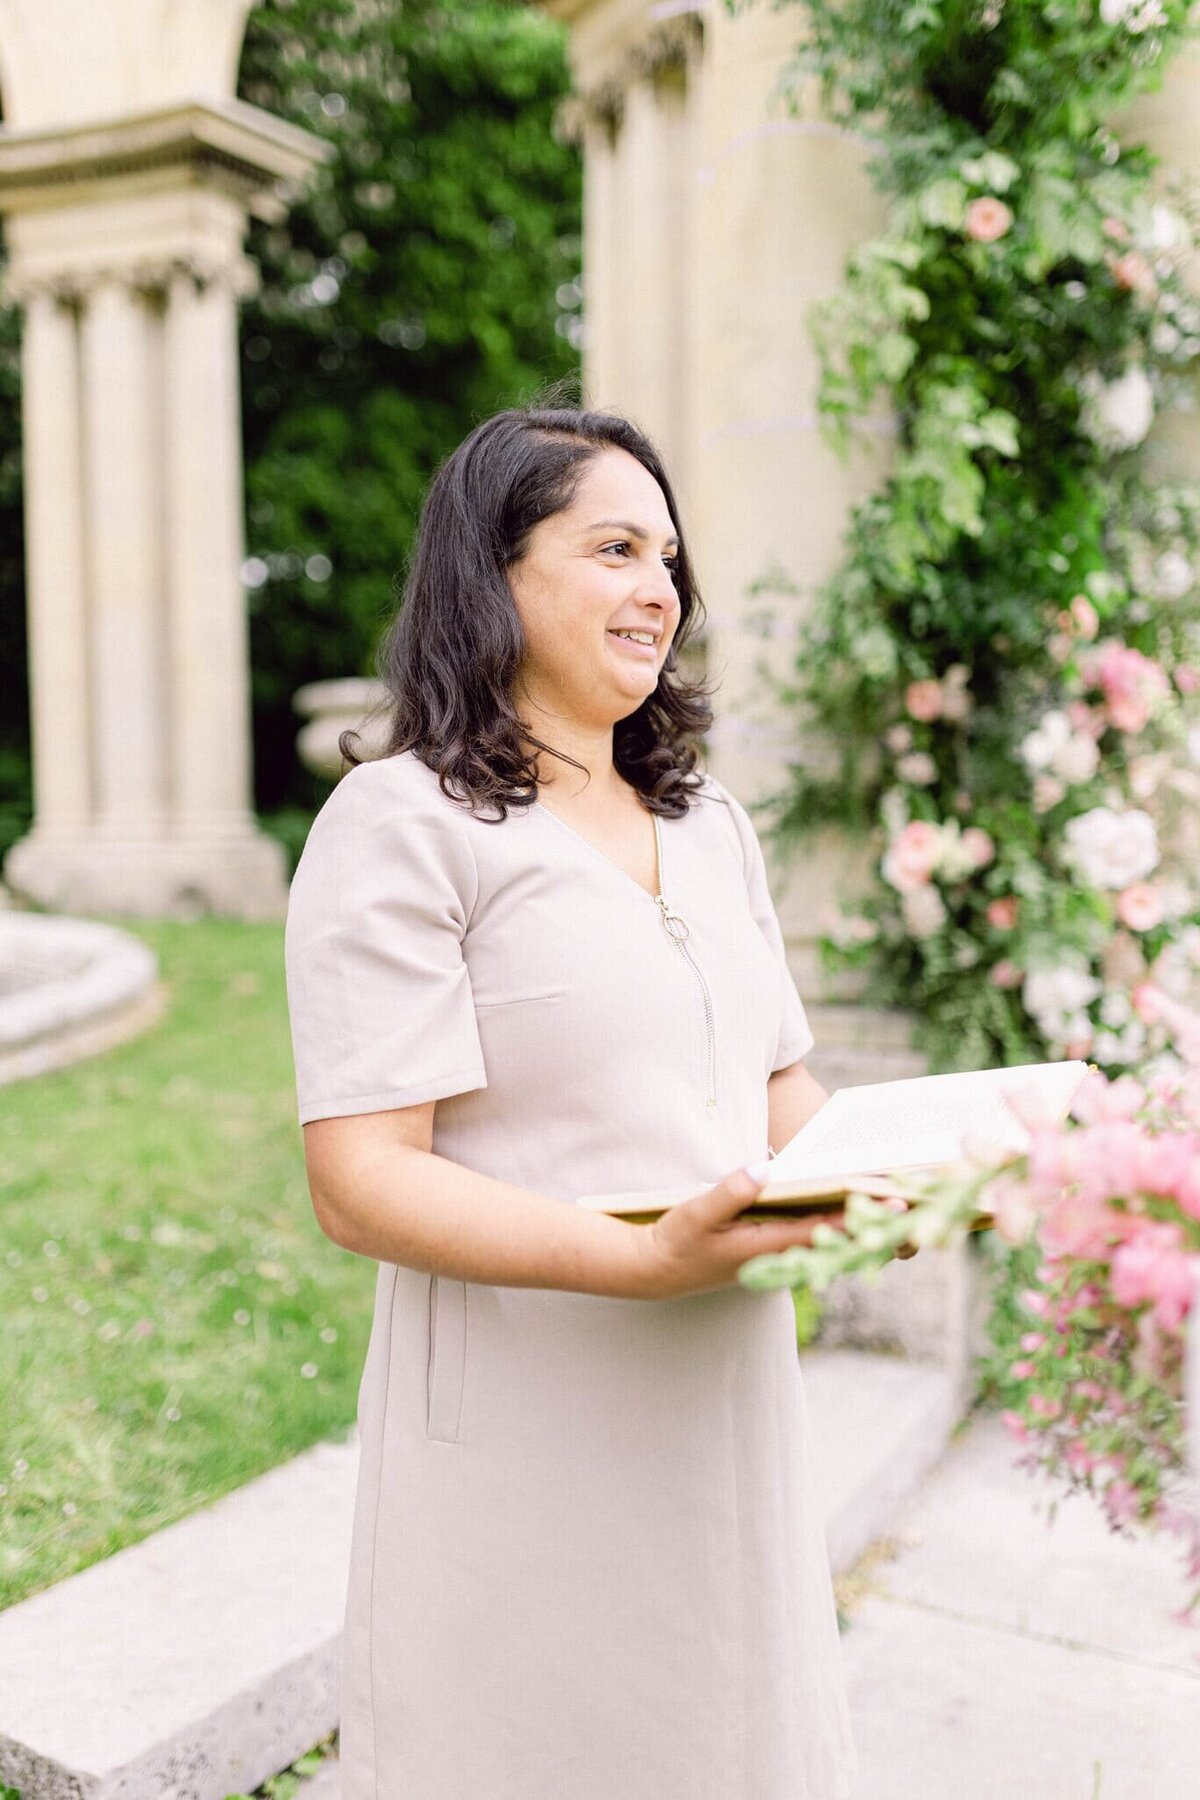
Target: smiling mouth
x=648 y=652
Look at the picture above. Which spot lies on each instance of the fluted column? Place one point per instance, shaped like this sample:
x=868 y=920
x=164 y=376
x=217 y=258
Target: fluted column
x=122 y=440
x=58 y=636
x=209 y=704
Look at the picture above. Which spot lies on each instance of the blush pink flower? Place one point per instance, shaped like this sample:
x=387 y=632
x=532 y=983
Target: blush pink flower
x=1077 y=1225
x=1187 y=678
x=1084 y=617
x=1154 y=1267
x=1006 y=974
x=1121 y=1502
x=988 y=219
x=1132 y=271
x=1164 y=1160
x=1079 y=1458
x=1003 y=914
x=1132 y=684
x=1015 y=1425
x=979 y=846
x=923 y=701
x=1100 y=1101
x=1115 y=228
x=912 y=856
x=1022 y=1370
x=1140 y=906
x=1044 y=1406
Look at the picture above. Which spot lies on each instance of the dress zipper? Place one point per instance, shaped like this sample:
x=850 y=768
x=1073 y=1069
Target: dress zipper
x=677 y=931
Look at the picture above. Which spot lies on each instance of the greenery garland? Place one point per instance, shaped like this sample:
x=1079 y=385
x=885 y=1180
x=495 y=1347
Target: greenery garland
x=1006 y=661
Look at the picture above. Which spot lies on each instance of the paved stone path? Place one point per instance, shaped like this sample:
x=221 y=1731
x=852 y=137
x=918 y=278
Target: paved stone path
x=1000 y=1657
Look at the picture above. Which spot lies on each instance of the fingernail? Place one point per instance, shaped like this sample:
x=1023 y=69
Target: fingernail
x=758 y=1171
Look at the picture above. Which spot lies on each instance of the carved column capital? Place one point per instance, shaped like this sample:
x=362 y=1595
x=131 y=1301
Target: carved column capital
x=670 y=44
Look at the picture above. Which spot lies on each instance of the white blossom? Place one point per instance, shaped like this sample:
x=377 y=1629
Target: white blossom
x=1056 y=997
x=1110 y=849
x=924 y=912
x=1040 y=746
x=1078 y=759
x=1117 y=414
x=1173 y=575
x=918 y=767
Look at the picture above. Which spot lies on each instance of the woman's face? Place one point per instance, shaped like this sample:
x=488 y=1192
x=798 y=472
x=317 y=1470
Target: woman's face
x=601 y=566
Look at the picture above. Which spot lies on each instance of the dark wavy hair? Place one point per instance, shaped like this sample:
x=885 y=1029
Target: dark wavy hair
x=451 y=654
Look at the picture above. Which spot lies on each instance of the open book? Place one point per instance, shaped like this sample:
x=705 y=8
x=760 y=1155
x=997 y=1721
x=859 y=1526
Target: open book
x=864 y=1137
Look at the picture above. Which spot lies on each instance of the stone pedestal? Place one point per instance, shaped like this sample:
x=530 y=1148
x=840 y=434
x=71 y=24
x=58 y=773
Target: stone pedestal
x=125 y=251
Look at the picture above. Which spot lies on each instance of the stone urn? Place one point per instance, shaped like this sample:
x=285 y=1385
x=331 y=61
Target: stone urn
x=331 y=707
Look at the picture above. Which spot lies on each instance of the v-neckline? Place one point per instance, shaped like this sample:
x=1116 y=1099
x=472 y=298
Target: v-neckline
x=605 y=858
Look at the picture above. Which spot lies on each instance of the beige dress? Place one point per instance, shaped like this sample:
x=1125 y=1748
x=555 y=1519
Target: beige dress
x=589 y=1559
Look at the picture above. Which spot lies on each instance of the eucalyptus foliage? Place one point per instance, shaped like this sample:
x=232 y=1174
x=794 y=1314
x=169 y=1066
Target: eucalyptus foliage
x=1001 y=667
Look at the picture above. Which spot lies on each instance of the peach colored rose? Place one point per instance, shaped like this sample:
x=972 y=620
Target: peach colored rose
x=1133 y=273
x=923 y=701
x=1140 y=906
x=1003 y=914
x=988 y=219
x=912 y=856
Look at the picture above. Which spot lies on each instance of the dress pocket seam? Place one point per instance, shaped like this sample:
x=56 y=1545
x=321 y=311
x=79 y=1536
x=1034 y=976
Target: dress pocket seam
x=446 y=1369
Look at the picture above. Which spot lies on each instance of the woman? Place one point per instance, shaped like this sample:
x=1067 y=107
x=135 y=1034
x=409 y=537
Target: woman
x=532 y=955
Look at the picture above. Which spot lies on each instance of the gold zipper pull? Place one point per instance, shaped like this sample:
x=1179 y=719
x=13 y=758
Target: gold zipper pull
x=674 y=922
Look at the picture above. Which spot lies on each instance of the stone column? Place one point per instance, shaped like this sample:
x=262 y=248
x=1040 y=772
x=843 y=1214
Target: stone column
x=137 y=615
x=123 y=557
x=58 y=659
x=208 y=652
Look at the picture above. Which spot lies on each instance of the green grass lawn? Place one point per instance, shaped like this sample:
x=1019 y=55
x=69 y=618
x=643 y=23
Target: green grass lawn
x=174 y=1322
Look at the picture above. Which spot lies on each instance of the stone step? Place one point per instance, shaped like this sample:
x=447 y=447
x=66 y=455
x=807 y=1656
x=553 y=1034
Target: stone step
x=190 y=1666
x=196 y=1664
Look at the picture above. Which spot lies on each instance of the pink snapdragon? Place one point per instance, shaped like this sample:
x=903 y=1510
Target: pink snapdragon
x=1154 y=1267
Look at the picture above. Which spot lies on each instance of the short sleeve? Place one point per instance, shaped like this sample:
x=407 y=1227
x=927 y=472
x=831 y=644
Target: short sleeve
x=795 y=1033
x=379 y=994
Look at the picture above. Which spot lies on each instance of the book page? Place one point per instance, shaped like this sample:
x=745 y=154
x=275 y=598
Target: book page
x=892 y=1125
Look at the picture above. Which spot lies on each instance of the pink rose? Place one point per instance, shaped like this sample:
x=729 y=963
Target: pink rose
x=923 y=701
x=1076 y=1225
x=988 y=219
x=1022 y=1369
x=979 y=846
x=1099 y=1101
x=1164 y=1161
x=912 y=856
x=1084 y=616
x=1006 y=974
x=1187 y=679
x=1015 y=1425
x=1003 y=914
x=1140 y=906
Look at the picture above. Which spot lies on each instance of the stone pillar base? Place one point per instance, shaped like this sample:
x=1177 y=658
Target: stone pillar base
x=230 y=875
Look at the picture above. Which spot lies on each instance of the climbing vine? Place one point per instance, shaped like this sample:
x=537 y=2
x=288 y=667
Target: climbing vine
x=1005 y=664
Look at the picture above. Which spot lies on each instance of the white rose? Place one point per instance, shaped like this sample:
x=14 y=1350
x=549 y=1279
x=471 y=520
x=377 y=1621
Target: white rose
x=1173 y=575
x=917 y=767
x=1165 y=338
x=1115 y=1009
x=1078 y=759
x=1040 y=747
x=1052 y=995
x=1168 y=230
x=1108 y=1048
x=1117 y=414
x=1110 y=849
x=924 y=911
x=1113 y=12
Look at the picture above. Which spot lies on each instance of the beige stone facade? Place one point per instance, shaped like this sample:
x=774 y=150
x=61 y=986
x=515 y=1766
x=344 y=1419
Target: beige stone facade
x=712 y=219
x=126 y=174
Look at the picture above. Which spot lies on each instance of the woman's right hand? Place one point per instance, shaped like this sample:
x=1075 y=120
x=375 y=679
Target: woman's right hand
x=701 y=1243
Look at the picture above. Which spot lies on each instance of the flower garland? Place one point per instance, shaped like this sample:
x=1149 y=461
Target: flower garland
x=1006 y=665
x=1110 y=1201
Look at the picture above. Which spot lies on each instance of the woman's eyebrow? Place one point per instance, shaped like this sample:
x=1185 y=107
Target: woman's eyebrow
x=626 y=525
